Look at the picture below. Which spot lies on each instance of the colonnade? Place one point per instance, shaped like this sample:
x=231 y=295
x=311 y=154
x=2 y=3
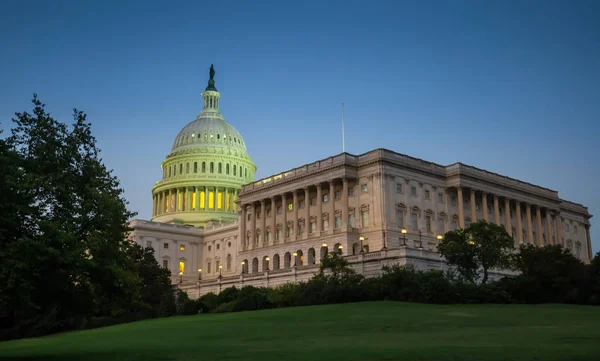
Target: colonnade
x=533 y=213
x=296 y=217
x=194 y=199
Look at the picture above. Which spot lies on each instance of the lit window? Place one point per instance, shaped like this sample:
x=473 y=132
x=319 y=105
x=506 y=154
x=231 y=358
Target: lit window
x=413 y=191
x=325 y=197
x=182 y=247
x=166 y=246
x=441 y=197
x=363 y=188
x=165 y=263
x=181 y=266
x=211 y=200
x=290 y=207
x=427 y=194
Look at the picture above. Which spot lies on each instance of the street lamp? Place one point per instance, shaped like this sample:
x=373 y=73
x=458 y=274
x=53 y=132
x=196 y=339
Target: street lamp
x=404 y=231
x=243 y=266
x=362 y=239
x=199 y=274
x=340 y=249
x=267 y=259
x=420 y=241
x=220 y=268
x=439 y=237
x=295 y=257
x=324 y=244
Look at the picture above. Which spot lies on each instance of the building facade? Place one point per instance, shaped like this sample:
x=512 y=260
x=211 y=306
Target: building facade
x=377 y=208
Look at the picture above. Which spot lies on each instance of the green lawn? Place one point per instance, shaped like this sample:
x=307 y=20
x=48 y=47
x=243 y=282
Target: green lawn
x=358 y=331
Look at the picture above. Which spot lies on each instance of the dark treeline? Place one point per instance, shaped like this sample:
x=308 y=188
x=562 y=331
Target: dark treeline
x=65 y=262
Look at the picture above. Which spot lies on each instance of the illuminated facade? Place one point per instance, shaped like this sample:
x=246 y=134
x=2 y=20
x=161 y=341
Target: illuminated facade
x=377 y=208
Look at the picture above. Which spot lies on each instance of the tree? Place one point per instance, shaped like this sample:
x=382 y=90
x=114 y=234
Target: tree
x=63 y=255
x=482 y=245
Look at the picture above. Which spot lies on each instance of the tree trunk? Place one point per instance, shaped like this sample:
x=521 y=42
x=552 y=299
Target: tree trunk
x=485 y=276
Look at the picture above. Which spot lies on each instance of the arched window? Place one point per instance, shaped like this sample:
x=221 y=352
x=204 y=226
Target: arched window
x=229 y=262
x=245 y=172
x=220 y=168
x=234 y=170
x=227 y=168
x=180 y=168
x=324 y=251
x=276 y=262
x=195 y=167
x=203 y=167
x=212 y=167
x=174 y=170
x=355 y=248
x=255 y=265
x=287 y=260
x=169 y=171
x=311 y=256
x=187 y=168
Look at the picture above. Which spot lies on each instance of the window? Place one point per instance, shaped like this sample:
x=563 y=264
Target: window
x=148 y=244
x=180 y=168
x=398 y=187
x=187 y=168
x=279 y=210
x=165 y=263
x=195 y=167
x=218 y=246
x=203 y=167
x=413 y=191
x=269 y=212
x=365 y=218
x=363 y=188
x=166 y=246
x=182 y=247
x=338 y=194
x=248 y=216
x=351 y=221
x=301 y=204
x=477 y=206
x=257 y=215
x=413 y=221
x=338 y=222
x=278 y=234
x=313 y=227
x=181 y=266
x=428 y=224
x=290 y=207
x=427 y=194
x=575 y=231
x=441 y=228
x=208 y=266
x=453 y=225
x=313 y=201
x=325 y=198
x=351 y=191
x=288 y=231
x=229 y=262
x=217 y=264
x=567 y=227
x=441 y=197
x=227 y=168
x=325 y=224
x=212 y=167
x=400 y=218
x=234 y=169
x=209 y=247
x=489 y=208
x=453 y=200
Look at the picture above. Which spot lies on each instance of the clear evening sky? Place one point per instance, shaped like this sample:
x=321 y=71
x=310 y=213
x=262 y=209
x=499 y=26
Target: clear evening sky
x=510 y=87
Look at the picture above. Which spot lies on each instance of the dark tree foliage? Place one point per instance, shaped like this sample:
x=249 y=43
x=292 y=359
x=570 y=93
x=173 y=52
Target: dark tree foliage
x=63 y=220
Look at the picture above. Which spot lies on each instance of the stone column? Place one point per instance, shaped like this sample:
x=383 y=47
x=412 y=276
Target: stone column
x=559 y=228
x=540 y=229
x=197 y=198
x=284 y=211
x=507 y=220
x=176 y=200
x=169 y=193
x=319 y=209
x=518 y=220
x=588 y=238
x=273 y=219
x=473 y=208
x=295 y=210
x=461 y=210
x=484 y=205
x=226 y=201
x=549 y=226
x=332 y=205
x=529 y=225
x=188 y=199
x=263 y=219
x=345 y=206
x=496 y=210
x=253 y=230
x=307 y=210
x=205 y=198
x=243 y=226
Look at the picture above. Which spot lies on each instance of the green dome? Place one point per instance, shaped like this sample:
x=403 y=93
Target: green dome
x=204 y=172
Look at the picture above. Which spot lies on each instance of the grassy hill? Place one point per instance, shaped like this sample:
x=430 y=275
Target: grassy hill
x=359 y=331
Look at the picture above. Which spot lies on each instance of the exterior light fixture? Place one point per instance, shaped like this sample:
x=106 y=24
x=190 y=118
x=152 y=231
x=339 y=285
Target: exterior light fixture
x=439 y=237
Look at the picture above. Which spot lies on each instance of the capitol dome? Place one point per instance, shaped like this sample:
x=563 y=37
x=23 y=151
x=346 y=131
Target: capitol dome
x=205 y=170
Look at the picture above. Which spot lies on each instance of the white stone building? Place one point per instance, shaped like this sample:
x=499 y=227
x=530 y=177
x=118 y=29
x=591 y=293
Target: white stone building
x=214 y=227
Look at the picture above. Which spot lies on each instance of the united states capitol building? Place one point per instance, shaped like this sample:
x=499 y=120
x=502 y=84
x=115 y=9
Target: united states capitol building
x=214 y=226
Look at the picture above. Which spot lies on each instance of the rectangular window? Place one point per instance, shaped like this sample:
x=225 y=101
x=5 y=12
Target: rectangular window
x=165 y=263
x=351 y=221
x=290 y=207
x=279 y=210
x=182 y=247
x=365 y=219
x=208 y=267
x=398 y=187
x=477 y=206
x=279 y=234
x=220 y=200
x=441 y=197
x=181 y=266
x=257 y=215
x=248 y=216
x=325 y=224
x=313 y=227
x=427 y=194
x=325 y=198
x=166 y=246
x=269 y=236
x=217 y=265
x=453 y=200
x=269 y=212
x=313 y=201
x=218 y=246
x=211 y=199
x=428 y=224
x=148 y=244
x=301 y=205
x=194 y=201
x=288 y=232
x=413 y=221
x=351 y=191
x=338 y=194
x=363 y=188
x=400 y=218
x=338 y=222
x=441 y=228
x=413 y=191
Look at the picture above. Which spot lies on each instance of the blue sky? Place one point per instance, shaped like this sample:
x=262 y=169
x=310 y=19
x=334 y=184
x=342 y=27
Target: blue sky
x=510 y=87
